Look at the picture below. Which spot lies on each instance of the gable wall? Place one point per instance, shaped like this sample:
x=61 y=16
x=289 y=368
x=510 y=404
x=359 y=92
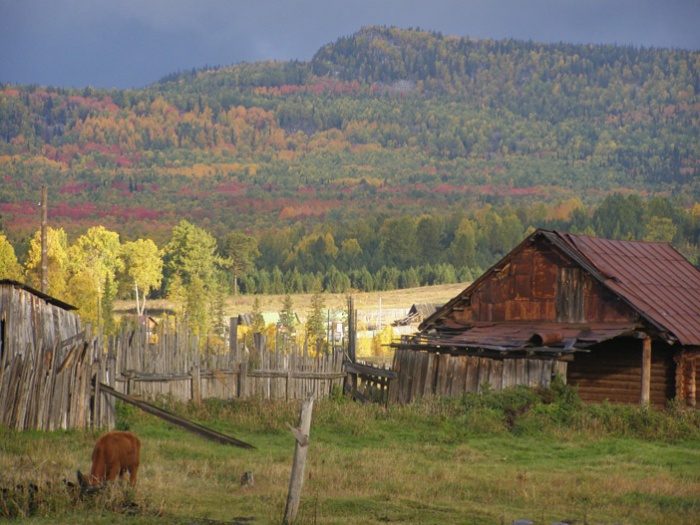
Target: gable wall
x=539 y=284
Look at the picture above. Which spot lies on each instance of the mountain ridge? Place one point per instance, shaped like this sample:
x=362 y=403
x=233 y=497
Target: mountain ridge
x=382 y=124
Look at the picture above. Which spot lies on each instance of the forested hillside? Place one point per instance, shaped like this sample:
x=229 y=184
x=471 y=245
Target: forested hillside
x=393 y=158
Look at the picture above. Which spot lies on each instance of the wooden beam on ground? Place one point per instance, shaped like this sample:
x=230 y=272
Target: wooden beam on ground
x=176 y=420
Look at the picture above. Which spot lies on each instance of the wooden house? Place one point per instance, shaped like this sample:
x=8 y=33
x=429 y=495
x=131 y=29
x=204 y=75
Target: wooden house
x=417 y=313
x=45 y=364
x=619 y=320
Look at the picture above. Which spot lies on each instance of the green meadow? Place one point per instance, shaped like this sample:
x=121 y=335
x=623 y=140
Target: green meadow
x=490 y=458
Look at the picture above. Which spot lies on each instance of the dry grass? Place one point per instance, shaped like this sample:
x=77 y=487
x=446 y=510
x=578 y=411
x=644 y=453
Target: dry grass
x=400 y=299
x=370 y=465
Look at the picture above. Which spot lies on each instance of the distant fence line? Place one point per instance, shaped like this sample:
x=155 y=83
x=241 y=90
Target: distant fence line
x=385 y=316
x=51 y=381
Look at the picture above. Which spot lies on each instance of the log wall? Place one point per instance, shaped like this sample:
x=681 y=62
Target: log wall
x=613 y=372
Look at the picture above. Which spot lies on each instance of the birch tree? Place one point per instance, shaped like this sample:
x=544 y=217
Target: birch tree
x=143 y=268
x=96 y=255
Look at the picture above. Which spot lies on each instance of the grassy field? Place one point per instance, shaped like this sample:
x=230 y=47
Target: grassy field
x=481 y=459
x=363 y=301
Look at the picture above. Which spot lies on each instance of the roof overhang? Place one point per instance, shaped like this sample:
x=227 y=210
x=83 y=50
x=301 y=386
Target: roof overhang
x=516 y=339
x=47 y=298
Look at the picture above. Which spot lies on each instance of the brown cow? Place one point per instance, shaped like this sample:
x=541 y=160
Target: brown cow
x=114 y=454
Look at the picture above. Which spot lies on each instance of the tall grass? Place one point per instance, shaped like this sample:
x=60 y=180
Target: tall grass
x=487 y=458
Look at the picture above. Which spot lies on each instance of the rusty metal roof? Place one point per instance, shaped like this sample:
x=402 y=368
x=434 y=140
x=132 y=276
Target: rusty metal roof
x=656 y=281
x=652 y=277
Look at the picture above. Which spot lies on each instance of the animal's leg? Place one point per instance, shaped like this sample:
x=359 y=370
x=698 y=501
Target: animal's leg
x=112 y=472
x=133 y=471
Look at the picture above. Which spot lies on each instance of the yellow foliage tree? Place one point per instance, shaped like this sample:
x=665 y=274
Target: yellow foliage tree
x=95 y=261
x=143 y=268
x=9 y=267
x=57 y=255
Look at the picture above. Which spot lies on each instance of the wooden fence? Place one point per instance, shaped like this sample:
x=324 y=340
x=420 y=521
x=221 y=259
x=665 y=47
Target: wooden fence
x=47 y=362
x=172 y=364
x=421 y=374
x=369 y=382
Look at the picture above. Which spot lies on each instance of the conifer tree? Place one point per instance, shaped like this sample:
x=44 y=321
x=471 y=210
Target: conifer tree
x=315 y=326
x=287 y=318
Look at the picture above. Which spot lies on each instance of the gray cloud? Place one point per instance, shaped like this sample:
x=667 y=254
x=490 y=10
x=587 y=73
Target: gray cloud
x=130 y=43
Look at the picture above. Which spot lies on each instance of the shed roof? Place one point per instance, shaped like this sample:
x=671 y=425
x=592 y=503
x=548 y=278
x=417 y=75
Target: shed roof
x=661 y=285
x=47 y=298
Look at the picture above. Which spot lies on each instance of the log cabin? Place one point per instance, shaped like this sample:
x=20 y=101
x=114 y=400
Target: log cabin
x=619 y=320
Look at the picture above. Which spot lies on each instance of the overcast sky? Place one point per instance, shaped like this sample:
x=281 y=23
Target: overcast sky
x=131 y=43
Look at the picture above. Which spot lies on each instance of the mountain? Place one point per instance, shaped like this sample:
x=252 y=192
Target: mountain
x=383 y=124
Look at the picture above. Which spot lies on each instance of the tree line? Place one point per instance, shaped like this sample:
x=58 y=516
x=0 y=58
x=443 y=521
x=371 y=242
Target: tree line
x=197 y=271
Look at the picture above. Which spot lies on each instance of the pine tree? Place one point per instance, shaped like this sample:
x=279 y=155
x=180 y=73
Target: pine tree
x=315 y=327
x=287 y=318
x=258 y=322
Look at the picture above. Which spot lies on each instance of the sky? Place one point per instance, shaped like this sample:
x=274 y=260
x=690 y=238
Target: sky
x=131 y=43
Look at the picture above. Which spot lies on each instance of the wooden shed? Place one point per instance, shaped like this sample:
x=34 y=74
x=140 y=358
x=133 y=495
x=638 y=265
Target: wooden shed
x=620 y=320
x=45 y=363
x=417 y=314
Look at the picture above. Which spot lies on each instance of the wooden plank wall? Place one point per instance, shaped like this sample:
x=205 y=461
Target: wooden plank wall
x=422 y=374
x=46 y=365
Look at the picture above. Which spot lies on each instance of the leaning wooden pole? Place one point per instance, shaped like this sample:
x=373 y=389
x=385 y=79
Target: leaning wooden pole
x=44 y=241
x=296 y=480
x=176 y=420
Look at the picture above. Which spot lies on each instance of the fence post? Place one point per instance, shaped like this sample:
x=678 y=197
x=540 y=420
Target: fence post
x=233 y=338
x=351 y=379
x=197 y=380
x=111 y=374
x=242 y=379
x=296 y=480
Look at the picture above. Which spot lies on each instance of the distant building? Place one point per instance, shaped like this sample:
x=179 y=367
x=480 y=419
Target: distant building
x=417 y=313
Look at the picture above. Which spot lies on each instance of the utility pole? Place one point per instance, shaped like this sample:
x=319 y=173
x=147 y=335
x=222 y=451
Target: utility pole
x=44 y=241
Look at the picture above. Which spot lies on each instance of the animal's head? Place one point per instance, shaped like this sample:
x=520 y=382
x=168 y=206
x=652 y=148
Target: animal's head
x=87 y=484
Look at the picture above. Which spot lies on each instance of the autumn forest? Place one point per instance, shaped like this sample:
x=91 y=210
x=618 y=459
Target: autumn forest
x=394 y=158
